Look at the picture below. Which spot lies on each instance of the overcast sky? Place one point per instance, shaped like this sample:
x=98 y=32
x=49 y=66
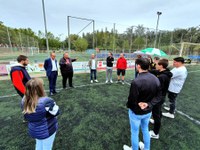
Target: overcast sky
x=125 y=13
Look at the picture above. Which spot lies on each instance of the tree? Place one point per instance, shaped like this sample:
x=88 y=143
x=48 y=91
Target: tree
x=81 y=44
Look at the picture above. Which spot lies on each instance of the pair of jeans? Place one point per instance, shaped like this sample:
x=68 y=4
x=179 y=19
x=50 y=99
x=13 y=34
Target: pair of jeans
x=93 y=72
x=45 y=144
x=136 y=121
x=109 y=72
x=172 y=99
x=52 y=81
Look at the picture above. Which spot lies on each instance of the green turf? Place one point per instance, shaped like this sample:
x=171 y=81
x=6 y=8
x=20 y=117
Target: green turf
x=94 y=117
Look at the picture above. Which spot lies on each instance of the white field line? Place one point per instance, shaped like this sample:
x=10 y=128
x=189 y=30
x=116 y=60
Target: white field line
x=76 y=86
x=59 y=89
x=79 y=86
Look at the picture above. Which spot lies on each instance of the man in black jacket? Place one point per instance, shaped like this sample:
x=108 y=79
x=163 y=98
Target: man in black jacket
x=145 y=92
x=164 y=75
x=109 y=67
x=66 y=69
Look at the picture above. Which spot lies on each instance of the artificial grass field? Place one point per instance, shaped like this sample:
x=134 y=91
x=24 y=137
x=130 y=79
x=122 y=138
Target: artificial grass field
x=95 y=117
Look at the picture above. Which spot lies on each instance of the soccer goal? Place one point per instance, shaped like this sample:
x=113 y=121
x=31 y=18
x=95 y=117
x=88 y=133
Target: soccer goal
x=190 y=50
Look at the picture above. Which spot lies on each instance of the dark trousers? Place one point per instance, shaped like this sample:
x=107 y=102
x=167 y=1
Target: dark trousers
x=157 y=115
x=52 y=81
x=172 y=99
x=93 y=72
x=69 y=76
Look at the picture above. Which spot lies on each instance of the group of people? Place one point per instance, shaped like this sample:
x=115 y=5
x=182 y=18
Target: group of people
x=147 y=94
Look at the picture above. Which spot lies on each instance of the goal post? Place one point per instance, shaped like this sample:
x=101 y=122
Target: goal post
x=191 y=50
x=91 y=21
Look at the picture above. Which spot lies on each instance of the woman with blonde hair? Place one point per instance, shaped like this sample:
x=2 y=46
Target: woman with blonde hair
x=40 y=112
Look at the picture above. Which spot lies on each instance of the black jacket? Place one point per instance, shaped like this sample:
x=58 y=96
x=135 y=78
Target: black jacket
x=164 y=78
x=65 y=68
x=109 y=61
x=145 y=88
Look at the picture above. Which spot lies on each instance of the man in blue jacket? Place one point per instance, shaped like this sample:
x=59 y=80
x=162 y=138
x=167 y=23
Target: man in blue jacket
x=50 y=65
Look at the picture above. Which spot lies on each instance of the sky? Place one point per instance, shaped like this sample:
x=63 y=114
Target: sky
x=124 y=13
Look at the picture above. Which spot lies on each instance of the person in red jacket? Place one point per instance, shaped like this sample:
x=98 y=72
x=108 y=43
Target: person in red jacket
x=19 y=75
x=121 y=67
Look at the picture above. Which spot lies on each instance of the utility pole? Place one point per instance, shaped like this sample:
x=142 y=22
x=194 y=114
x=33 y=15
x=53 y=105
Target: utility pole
x=114 y=37
x=158 y=13
x=93 y=40
x=68 y=27
x=9 y=39
x=45 y=25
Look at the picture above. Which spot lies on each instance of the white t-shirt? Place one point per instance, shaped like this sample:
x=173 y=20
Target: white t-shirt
x=93 y=64
x=178 y=79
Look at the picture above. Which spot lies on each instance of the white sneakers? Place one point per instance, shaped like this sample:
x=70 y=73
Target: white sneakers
x=166 y=108
x=151 y=121
x=91 y=81
x=169 y=115
x=125 y=147
x=153 y=135
x=141 y=146
x=110 y=81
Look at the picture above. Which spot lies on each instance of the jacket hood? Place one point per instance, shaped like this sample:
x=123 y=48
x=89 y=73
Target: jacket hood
x=167 y=72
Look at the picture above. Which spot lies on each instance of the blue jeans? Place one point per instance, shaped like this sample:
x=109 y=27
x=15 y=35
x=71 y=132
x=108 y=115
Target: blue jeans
x=109 y=72
x=136 y=121
x=45 y=144
x=93 y=71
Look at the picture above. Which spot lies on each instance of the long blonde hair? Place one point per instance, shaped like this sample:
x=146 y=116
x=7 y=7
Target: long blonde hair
x=34 y=90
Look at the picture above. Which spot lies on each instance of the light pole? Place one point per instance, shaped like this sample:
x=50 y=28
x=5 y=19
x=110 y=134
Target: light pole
x=158 y=13
x=45 y=25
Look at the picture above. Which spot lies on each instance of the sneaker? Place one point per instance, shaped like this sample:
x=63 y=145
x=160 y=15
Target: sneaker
x=151 y=121
x=91 y=81
x=126 y=147
x=51 y=94
x=111 y=81
x=166 y=108
x=169 y=115
x=123 y=82
x=106 y=81
x=141 y=145
x=153 y=135
x=96 y=81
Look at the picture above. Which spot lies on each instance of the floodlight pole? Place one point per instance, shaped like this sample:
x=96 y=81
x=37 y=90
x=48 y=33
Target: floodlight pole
x=93 y=34
x=45 y=25
x=9 y=39
x=158 y=13
x=114 y=38
x=68 y=32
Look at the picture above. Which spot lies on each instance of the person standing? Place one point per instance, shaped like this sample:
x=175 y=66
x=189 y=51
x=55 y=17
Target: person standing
x=164 y=75
x=19 y=75
x=50 y=65
x=40 y=112
x=121 y=67
x=109 y=68
x=145 y=92
x=66 y=69
x=176 y=84
x=93 y=68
